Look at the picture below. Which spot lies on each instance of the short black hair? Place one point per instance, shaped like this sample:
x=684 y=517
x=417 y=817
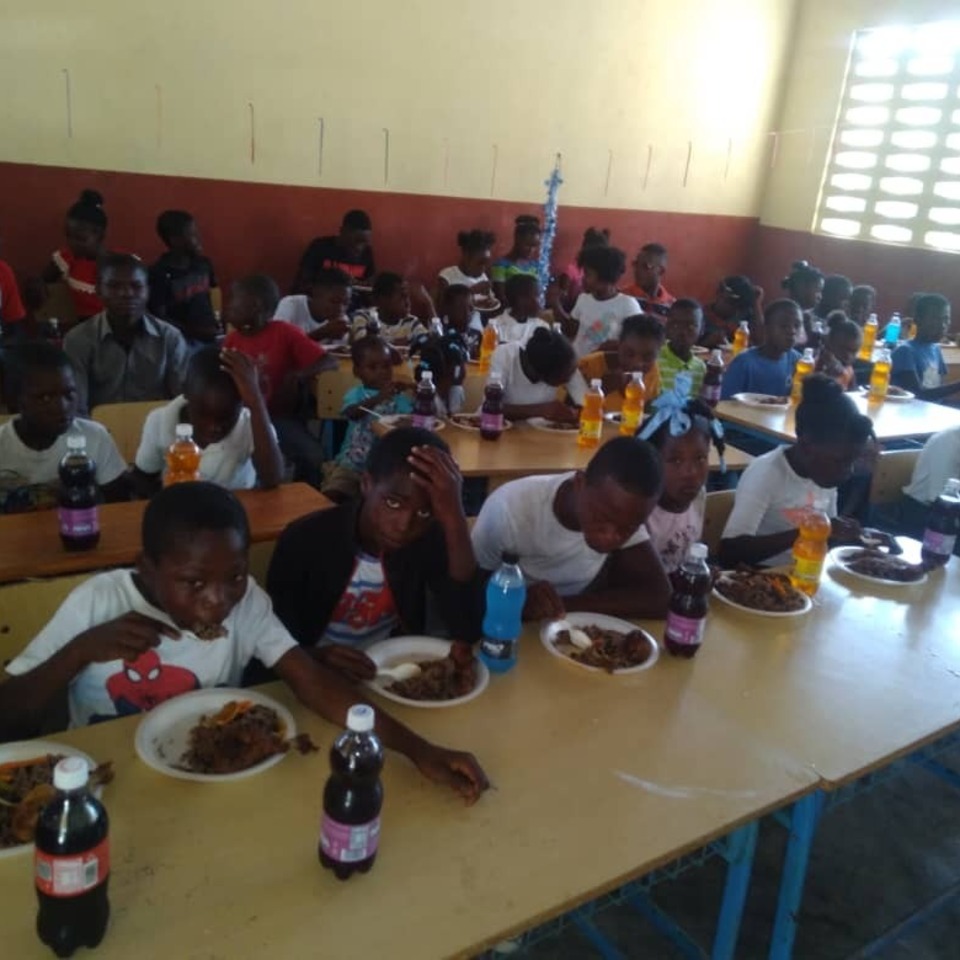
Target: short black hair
x=262 y=288
x=743 y=293
x=801 y=271
x=442 y=354
x=390 y=453
x=863 y=291
x=549 y=353
x=185 y=509
x=841 y=327
x=519 y=284
x=172 y=224
x=120 y=261
x=356 y=220
x=827 y=415
x=385 y=284
x=929 y=303
x=525 y=225
x=205 y=371
x=459 y=290
x=328 y=278
x=608 y=263
x=473 y=241
x=33 y=355
x=634 y=465
x=685 y=303
x=360 y=348
x=643 y=325
x=779 y=306
x=89 y=209
x=837 y=286
x=657 y=249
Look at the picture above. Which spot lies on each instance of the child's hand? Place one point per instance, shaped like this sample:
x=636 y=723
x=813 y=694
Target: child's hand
x=243 y=372
x=333 y=329
x=437 y=472
x=561 y=412
x=845 y=530
x=354 y=664
x=453 y=768
x=543 y=602
x=465 y=666
x=388 y=393
x=125 y=638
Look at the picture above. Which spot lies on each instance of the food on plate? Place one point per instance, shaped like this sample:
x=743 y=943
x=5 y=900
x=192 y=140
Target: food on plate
x=767 y=592
x=611 y=650
x=438 y=680
x=25 y=787
x=771 y=401
x=469 y=420
x=561 y=425
x=872 y=563
x=238 y=736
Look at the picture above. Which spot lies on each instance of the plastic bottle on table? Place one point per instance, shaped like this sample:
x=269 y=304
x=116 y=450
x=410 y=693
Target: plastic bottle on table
x=741 y=339
x=425 y=402
x=891 y=336
x=633 y=402
x=503 y=620
x=591 y=416
x=712 y=379
x=869 y=338
x=72 y=863
x=491 y=412
x=803 y=370
x=352 y=798
x=488 y=343
x=183 y=457
x=880 y=376
x=810 y=548
x=687 y=614
x=943 y=526
x=79 y=515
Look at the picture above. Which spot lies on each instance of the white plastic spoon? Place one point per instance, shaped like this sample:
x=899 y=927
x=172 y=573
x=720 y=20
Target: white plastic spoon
x=577 y=637
x=399 y=673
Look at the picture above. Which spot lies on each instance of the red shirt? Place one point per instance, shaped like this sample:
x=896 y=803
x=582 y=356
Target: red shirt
x=278 y=350
x=658 y=304
x=11 y=306
x=80 y=276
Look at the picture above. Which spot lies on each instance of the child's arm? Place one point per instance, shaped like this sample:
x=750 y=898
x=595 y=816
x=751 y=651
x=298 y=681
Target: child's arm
x=635 y=585
x=331 y=329
x=354 y=411
x=568 y=323
x=267 y=459
x=753 y=549
x=323 y=691
x=421 y=302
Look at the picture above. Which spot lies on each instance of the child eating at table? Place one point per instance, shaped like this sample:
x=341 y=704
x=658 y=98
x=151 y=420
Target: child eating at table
x=939 y=461
x=460 y=317
x=580 y=536
x=681 y=429
x=840 y=350
x=401 y=549
x=684 y=323
x=768 y=369
x=832 y=435
x=522 y=256
x=188 y=617
x=390 y=317
x=918 y=364
x=470 y=271
x=33 y=442
x=522 y=316
x=222 y=401
x=377 y=392
x=531 y=374
x=321 y=314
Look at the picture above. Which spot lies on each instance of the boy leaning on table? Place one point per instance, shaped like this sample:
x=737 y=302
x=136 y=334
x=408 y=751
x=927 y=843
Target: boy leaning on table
x=188 y=616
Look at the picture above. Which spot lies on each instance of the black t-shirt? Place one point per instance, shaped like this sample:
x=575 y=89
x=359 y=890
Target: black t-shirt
x=324 y=253
x=181 y=295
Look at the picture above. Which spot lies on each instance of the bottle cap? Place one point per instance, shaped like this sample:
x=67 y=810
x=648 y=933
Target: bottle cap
x=510 y=557
x=360 y=718
x=76 y=441
x=637 y=377
x=184 y=431
x=596 y=384
x=808 y=355
x=71 y=773
x=426 y=376
x=698 y=551
x=872 y=318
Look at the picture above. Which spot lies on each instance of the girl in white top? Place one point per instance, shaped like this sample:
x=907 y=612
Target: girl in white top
x=522 y=317
x=531 y=374
x=475 y=253
x=777 y=487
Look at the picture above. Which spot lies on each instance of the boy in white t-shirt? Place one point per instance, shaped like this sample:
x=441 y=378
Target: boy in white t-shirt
x=33 y=443
x=188 y=617
x=222 y=400
x=522 y=317
x=321 y=314
x=580 y=536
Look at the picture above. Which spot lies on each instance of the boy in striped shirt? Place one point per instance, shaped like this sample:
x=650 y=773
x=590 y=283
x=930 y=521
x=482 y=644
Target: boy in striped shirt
x=684 y=326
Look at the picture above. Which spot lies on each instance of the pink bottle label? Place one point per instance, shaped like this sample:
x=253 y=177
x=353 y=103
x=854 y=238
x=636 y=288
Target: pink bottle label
x=79 y=523
x=710 y=392
x=684 y=630
x=939 y=543
x=424 y=421
x=491 y=422
x=349 y=842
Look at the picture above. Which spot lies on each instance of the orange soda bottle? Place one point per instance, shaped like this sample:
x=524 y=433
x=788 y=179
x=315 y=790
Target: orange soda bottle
x=803 y=370
x=810 y=548
x=741 y=339
x=632 y=410
x=880 y=377
x=488 y=343
x=591 y=416
x=869 y=338
x=183 y=457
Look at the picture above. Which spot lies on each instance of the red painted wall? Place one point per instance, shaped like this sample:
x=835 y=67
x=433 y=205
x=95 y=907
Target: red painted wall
x=264 y=227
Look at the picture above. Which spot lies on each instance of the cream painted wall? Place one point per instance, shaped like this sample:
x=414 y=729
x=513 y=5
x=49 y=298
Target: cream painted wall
x=814 y=80
x=165 y=88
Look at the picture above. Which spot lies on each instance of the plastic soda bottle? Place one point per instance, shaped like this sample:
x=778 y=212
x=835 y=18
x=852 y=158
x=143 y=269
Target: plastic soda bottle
x=869 y=338
x=78 y=513
x=72 y=863
x=633 y=401
x=803 y=370
x=491 y=412
x=891 y=336
x=687 y=614
x=488 y=343
x=741 y=339
x=425 y=402
x=183 y=457
x=810 y=548
x=352 y=797
x=591 y=416
x=880 y=376
x=712 y=379
x=943 y=526
x=503 y=621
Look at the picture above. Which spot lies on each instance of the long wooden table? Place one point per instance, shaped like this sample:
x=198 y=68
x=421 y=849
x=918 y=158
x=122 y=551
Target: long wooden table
x=951 y=357
x=892 y=420
x=30 y=542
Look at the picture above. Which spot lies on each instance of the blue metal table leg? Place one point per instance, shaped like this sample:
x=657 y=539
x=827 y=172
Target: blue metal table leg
x=803 y=827
x=741 y=846
x=603 y=946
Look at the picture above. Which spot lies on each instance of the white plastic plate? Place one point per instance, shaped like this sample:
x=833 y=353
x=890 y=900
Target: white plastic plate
x=756 y=400
x=806 y=608
x=840 y=555
x=549 y=631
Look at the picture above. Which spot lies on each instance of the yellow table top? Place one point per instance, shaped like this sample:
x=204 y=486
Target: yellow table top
x=598 y=779
x=893 y=420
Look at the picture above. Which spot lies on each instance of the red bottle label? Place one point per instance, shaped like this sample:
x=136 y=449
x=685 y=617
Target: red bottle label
x=79 y=523
x=684 y=630
x=939 y=543
x=491 y=422
x=349 y=842
x=73 y=875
